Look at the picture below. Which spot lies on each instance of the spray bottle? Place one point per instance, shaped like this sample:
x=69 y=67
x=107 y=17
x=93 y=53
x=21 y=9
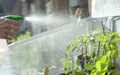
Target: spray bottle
x=3 y=42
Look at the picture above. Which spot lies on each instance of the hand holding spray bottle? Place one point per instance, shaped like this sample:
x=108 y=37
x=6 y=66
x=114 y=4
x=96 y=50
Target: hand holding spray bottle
x=3 y=43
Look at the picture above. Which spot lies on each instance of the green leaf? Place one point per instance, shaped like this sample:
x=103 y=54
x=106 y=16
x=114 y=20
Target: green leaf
x=104 y=68
x=114 y=72
x=89 y=66
x=108 y=54
x=115 y=53
x=78 y=38
x=113 y=47
x=98 y=66
x=103 y=59
x=102 y=64
x=103 y=72
x=93 y=72
x=75 y=43
x=77 y=62
x=113 y=34
x=101 y=38
x=116 y=40
x=68 y=49
x=85 y=39
x=79 y=72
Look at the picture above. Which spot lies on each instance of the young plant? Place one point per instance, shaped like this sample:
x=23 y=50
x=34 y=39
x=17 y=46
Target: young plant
x=105 y=64
x=97 y=53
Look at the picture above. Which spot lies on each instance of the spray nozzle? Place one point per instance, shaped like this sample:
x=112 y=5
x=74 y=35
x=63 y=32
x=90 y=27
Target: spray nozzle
x=14 y=17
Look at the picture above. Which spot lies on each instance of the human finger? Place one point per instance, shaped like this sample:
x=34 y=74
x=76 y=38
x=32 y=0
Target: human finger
x=10 y=31
x=11 y=27
x=14 y=22
x=6 y=36
x=9 y=23
x=9 y=37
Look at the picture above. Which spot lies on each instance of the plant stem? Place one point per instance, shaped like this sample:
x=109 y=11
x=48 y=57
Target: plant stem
x=86 y=54
x=82 y=50
x=103 y=28
x=46 y=70
x=86 y=49
x=98 y=51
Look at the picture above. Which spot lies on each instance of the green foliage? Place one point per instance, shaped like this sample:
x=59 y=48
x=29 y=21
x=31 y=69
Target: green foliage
x=114 y=72
x=101 y=50
x=89 y=66
x=80 y=72
x=21 y=37
x=67 y=63
x=102 y=65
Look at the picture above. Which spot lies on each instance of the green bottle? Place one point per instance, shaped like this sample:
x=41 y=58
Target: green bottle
x=14 y=17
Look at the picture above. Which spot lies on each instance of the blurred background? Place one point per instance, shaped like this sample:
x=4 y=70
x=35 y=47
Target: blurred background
x=57 y=12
